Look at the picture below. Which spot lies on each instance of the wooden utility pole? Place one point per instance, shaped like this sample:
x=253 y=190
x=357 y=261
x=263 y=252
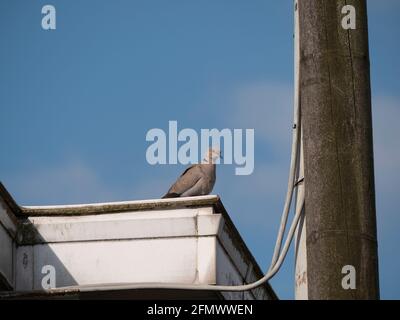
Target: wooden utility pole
x=335 y=100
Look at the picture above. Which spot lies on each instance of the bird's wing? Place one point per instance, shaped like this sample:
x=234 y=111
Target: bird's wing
x=187 y=180
x=187 y=169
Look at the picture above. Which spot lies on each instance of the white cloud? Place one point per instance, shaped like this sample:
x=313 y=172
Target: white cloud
x=255 y=201
x=268 y=108
x=152 y=188
x=386 y=115
x=65 y=183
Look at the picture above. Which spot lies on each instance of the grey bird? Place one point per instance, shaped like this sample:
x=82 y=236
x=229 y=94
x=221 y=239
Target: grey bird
x=198 y=179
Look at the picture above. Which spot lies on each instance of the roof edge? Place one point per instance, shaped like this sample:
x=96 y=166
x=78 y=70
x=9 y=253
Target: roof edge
x=9 y=200
x=122 y=206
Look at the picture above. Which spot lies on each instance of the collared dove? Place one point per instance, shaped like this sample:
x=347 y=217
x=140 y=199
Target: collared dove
x=198 y=179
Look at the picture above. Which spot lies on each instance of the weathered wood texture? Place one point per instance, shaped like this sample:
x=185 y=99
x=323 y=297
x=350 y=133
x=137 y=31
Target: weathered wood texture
x=338 y=154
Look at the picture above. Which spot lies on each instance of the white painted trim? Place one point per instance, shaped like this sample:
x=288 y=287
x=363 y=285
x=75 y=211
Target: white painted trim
x=132 y=202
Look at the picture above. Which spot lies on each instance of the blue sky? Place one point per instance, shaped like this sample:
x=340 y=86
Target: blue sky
x=76 y=104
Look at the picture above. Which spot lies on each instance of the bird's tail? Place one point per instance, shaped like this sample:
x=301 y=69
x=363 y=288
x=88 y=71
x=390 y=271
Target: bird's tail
x=171 y=195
